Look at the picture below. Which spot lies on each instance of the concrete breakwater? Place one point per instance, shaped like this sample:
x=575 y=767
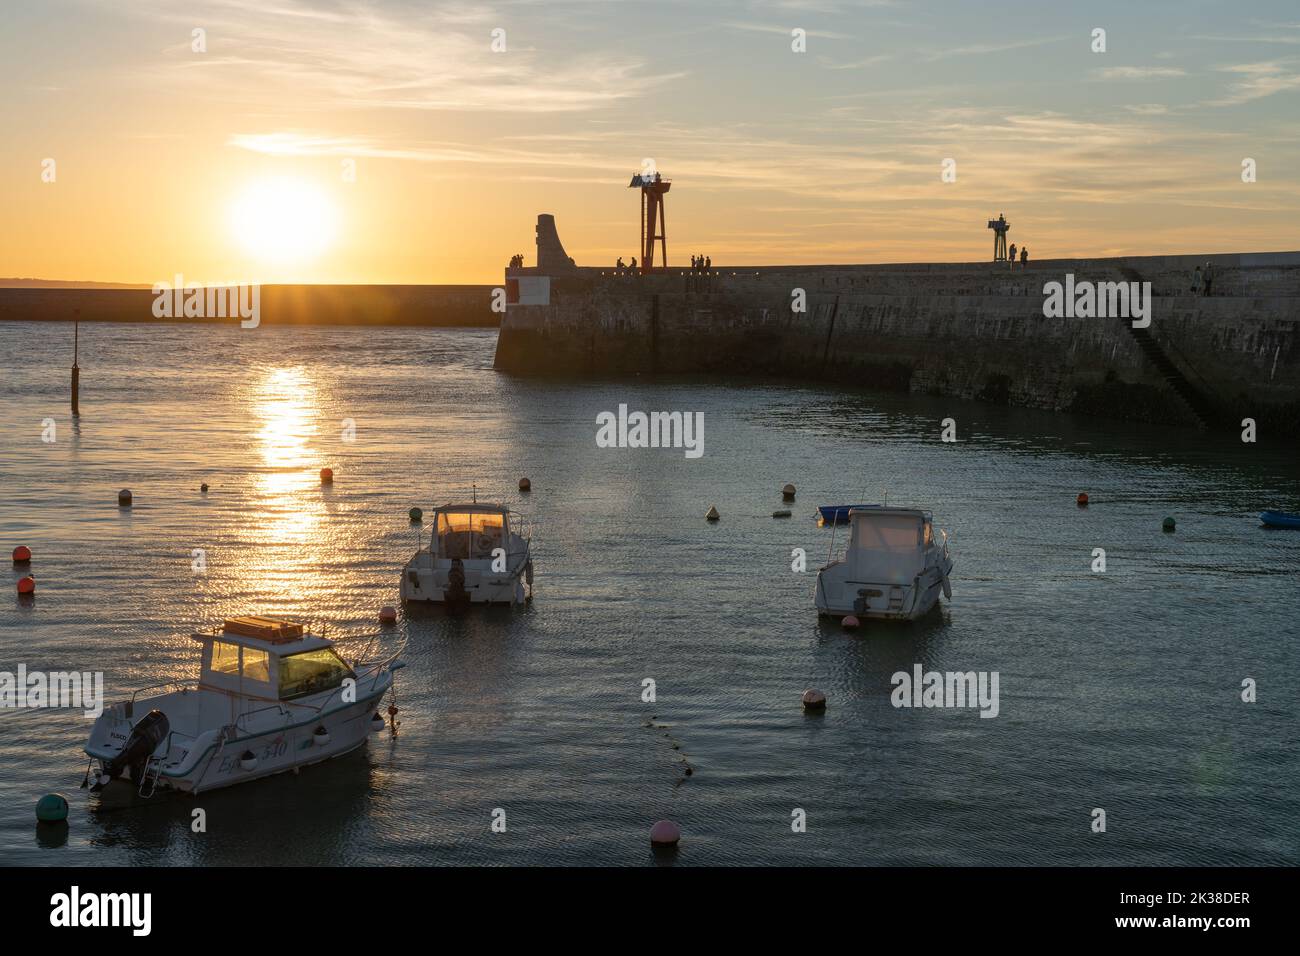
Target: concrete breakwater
x=438 y=305
x=971 y=330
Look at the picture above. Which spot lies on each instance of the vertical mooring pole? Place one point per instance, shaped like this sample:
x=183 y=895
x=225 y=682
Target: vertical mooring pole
x=76 y=372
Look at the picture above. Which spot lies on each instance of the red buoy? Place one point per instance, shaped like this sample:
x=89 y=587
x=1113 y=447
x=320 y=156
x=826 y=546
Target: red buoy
x=22 y=554
x=388 y=614
x=1082 y=499
x=849 y=622
x=665 y=833
x=327 y=476
x=27 y=585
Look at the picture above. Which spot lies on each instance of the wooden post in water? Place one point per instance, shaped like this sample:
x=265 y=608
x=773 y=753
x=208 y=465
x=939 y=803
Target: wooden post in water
x=76 y=372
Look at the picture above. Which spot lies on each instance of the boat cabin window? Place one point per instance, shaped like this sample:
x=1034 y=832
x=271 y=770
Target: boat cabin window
x=470 y=534
x=225 y=658
x=311 y=672
x=234 y=667
x=257 y=664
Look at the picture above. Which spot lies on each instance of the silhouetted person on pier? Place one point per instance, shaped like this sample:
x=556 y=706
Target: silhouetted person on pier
x=708 y=263
x=1197 y=282
x=1209 y=277
x=1012 y=257
x=1024 y=256
x=618 y=266
x=692 y=263
x=632 y=264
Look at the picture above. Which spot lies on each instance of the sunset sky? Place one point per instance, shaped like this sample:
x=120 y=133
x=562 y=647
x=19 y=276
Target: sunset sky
x=229 y=164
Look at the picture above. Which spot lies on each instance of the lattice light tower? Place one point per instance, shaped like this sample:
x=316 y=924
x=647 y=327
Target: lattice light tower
x=999 y=227
x=653 y=188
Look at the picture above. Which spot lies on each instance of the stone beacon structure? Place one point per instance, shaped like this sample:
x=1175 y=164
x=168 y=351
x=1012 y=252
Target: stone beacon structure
x=975 y=330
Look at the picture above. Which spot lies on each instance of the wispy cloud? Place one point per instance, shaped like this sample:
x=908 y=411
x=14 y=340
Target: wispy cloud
x=980 y=49
x=365 y=56
x=1258 y=80
x=1139 y=72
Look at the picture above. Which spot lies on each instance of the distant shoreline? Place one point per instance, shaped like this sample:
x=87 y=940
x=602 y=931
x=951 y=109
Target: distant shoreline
x=412 y=305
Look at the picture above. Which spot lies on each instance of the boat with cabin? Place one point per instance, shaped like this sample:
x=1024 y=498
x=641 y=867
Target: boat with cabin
x=893 y=568
x=478 y=553
x=271 y=696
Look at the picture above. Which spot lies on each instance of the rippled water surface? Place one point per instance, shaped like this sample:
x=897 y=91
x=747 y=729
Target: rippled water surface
x=1118 y=690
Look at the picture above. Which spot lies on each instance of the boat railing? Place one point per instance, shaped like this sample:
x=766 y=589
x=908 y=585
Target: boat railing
x=284 y=712
x=179 y=684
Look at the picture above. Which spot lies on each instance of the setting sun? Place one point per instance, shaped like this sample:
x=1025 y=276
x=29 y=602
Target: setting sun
x=283 y=220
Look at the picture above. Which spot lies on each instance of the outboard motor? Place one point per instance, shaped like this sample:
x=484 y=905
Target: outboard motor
x=455 y=596
x=149 y=731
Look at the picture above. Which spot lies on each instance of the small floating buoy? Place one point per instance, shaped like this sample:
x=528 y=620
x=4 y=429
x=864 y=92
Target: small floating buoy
x=1168 y=524
x=376 y=723
x=814 y=700
x=665 y=833
x=27 y=585
x=248 y=760
x=52 y=808
x=416 y=515
x=525 y=484
x=124 y=498
x=849 y=622
x=204 y=487
x=1082 y=500
x=784 y=513
x=388 y=614
x=712 y=514
x=787 y=493
x=22 y=554
x=321 y=736
x=327 y=476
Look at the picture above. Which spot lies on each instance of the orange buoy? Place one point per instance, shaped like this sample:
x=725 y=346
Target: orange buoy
x=665 y=833
x=27 y=585
x=849 y=622
x=525 y=484
x=327 y=476
x=388 y=614
x=22 y=554
x=787 y=493
x=124 y=498
x=1082 y=499
x=814 y=700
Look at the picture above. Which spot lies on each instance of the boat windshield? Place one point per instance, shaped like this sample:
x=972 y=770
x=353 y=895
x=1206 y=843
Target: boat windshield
x=886 y=548
x=470 y=534
x=311 y=672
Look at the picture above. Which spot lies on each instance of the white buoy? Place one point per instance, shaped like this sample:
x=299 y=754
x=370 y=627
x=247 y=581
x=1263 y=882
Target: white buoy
x=849 y=622
x=321 y=737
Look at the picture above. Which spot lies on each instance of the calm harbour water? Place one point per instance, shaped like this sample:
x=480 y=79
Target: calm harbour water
x=1118 y=690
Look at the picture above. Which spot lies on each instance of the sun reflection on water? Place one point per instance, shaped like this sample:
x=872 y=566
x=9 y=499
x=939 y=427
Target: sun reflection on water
x=285 y=402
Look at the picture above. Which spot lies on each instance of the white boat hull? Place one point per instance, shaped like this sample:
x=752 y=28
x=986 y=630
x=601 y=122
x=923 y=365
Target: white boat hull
x=425 y=579
x=280 y=740
x=837 y=595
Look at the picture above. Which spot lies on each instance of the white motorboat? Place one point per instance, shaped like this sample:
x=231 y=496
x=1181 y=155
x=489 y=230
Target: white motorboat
x=271 y=697
x=475 y=555
x=894 y=566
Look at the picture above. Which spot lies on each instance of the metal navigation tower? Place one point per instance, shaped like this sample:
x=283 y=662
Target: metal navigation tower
x=999 y=227
x=653 y=189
